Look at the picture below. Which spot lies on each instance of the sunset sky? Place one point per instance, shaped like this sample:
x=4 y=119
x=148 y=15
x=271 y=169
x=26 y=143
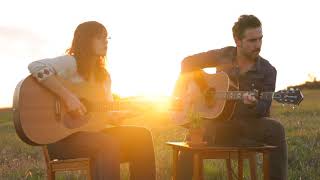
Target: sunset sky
x=149 y=38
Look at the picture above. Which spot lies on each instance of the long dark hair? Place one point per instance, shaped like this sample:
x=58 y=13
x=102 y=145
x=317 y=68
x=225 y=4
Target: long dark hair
x=83 y=52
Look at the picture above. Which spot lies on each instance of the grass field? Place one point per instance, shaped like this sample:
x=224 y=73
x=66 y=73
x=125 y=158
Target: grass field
x=302 y=124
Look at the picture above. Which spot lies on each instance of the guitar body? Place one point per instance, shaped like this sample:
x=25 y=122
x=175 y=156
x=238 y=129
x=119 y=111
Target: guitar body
x=217 y=109
x=214 y=97
x=41 y=118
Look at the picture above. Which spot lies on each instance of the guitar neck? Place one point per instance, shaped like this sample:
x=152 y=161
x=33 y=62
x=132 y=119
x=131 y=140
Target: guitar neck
x=104 y=107
x=238 y=95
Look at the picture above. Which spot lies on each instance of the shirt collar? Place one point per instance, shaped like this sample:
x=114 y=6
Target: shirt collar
x=255 y=67
x=257 y=64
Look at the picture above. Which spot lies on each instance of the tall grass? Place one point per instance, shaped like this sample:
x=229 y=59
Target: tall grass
x=21 y=161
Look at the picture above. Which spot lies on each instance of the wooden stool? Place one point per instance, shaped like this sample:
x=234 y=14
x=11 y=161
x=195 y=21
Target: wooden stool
x=228 y=156
x=219 y=152
x=56 y=165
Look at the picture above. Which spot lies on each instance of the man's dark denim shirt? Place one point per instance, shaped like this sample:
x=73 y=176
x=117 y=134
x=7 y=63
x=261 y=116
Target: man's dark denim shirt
x=261 y=77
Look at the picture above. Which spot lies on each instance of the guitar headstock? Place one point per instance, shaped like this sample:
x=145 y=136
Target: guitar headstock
x=290 y=96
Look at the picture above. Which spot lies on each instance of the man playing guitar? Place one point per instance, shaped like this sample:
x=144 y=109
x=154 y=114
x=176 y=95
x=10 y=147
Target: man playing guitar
x=251 y=115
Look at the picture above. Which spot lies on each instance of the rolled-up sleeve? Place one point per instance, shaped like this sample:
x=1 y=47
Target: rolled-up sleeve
x=41 y=70
x=212 y=58
x=62 y=65
x=199 y=61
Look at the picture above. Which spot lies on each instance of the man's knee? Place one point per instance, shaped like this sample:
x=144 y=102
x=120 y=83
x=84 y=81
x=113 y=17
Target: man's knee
x=276 y=127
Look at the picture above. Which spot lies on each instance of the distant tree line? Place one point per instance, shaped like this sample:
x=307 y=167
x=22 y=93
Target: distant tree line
x=308 y=85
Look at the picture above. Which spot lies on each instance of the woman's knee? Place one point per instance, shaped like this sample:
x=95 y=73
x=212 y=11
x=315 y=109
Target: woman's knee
x=106 y=142
x=140 y=132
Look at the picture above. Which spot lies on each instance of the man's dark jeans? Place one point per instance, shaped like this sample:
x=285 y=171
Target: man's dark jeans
x=264 y=130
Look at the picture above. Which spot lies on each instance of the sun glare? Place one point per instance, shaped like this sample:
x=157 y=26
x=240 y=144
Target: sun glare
x=210 y=70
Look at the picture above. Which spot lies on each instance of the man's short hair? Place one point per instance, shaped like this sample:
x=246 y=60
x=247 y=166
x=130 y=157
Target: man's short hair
x=244 y=22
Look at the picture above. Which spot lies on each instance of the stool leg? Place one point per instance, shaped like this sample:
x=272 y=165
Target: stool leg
x=229 y=169
x=240 y=166
x=201 y=167
x=253 y=166
x=51 y=175
x=266 y=170
x=89 y=175
x=196 y=167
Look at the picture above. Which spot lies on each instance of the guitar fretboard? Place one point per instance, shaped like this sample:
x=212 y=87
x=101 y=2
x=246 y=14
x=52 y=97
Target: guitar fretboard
x=238 y=95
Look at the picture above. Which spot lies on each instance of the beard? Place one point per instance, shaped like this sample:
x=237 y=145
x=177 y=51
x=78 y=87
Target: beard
x=252 y=54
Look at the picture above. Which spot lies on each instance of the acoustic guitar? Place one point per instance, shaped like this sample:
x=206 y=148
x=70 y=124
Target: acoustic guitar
x=219 y=99
x=40 y=117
